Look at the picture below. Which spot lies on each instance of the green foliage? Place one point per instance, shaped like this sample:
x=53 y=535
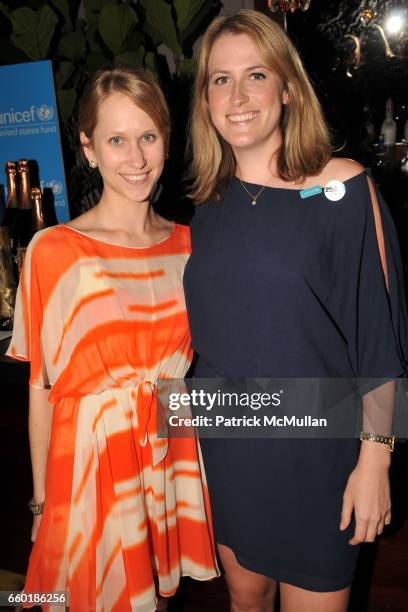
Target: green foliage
x=186 y=10
x=62 y=7
x=94 y=7
x=33 y=30
x=64 y=73
x=160 y=18
x=5 y=10
x=130 y=58
x=151 y=62
x=96 y=60
x=196 y=19
x=186 y=66
x=73 y=45
x=116 y=23
x=114 y=32
x=66 y=103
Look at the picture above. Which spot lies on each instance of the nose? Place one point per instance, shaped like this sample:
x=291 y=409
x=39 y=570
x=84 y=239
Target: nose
x=137 y=157
x=238 y=93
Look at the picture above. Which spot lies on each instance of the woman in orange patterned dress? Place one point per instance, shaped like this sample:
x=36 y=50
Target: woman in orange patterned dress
x=101 y=317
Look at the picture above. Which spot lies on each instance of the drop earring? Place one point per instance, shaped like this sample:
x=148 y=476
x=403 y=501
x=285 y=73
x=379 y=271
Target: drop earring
x=92 y=164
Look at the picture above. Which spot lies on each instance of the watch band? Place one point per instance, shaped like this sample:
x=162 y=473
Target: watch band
x=390 y=440
x=35 y=508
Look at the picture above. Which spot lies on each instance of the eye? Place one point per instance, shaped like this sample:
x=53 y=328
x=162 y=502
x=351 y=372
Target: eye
x=150 y=137
x=220 y=80
x=257 y=76
x=116 y=140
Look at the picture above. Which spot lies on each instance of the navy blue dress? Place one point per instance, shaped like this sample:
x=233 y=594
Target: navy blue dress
x=290 y=288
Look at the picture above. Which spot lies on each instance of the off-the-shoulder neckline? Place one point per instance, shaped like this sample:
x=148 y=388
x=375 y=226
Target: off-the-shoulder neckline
x=118 y=244
x=296 y=190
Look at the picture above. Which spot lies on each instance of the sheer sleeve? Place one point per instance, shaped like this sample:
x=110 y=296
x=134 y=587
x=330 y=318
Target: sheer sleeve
x=26 y=343
x=393 y=269
x=367 y=299
x=379 y=354
x=381 y=323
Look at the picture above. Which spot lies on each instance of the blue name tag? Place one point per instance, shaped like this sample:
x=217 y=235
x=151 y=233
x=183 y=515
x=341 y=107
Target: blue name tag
x=307 y=193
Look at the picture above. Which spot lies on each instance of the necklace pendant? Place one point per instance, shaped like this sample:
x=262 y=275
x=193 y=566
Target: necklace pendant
x=253 y=202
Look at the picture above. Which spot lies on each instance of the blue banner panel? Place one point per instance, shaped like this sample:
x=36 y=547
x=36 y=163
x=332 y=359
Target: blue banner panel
x=29 y=126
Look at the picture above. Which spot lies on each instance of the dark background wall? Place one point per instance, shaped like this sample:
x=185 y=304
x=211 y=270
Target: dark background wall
x=324 y=35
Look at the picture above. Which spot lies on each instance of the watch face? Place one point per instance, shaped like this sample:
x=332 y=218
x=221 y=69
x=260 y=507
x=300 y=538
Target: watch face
x=36 y=508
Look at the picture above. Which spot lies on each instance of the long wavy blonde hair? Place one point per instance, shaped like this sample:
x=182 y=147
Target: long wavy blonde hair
x=306 y=146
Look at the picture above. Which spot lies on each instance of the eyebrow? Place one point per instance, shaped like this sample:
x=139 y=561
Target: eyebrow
x=246 y=70
x=122 y=133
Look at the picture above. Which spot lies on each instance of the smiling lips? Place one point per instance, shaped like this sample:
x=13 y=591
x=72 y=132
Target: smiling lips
x=242 y=118
x=135 y=179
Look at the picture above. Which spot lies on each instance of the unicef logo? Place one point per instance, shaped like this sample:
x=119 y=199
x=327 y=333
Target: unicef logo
x=45 y=113
x=56 y=187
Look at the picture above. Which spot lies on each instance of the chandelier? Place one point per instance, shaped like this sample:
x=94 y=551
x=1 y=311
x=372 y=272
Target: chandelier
x=288 y=5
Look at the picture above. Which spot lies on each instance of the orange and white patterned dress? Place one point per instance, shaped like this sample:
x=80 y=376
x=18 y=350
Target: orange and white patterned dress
x=100 y=324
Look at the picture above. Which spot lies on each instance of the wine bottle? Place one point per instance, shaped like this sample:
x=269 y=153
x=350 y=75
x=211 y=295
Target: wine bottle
x=389 y=126
x=37 y=221
x=23 y=233
x=10 y=219
x=11 y=172
x=2 y=204
x=7 y=282
x=24 y=193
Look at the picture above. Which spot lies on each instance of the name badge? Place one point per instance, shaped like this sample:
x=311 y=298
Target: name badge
x=308 y=193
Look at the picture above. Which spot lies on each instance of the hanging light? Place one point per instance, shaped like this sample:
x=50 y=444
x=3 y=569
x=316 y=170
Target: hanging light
x=394 y=24
x=288 y=5
x=367 y=15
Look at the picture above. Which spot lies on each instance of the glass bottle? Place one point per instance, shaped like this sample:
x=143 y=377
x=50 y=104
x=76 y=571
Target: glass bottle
x=11 y=172
x=37 y=221
x=7 y=282
x=24 y=206
x=2 y=204
x=24 y=193
x=11 y=215
x=389 y=126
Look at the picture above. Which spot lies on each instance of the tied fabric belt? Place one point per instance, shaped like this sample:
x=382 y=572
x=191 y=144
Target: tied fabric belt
x=149 y=421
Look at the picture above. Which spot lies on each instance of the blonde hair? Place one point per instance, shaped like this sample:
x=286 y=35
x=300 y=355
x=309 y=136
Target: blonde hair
x=136 y=83
x=306 y=144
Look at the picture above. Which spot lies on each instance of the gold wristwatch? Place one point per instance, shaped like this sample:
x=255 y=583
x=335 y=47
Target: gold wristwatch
x=390 y=440
x=35 y=508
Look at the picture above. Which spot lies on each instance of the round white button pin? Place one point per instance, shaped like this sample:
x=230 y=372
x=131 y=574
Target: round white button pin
x=334 y=190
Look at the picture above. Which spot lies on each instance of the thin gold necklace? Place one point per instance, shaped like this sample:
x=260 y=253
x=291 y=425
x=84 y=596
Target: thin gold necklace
x=252 y=196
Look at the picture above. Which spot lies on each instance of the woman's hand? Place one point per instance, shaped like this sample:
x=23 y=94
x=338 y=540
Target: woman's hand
x=35 y=527
x=368 y=494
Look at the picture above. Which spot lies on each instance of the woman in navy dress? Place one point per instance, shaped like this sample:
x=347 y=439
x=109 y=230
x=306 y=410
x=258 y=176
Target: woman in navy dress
x=292 y=252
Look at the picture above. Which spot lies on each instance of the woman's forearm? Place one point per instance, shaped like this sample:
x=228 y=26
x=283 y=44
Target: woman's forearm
x=39 y=428
x=374 y=455
x=378 y=409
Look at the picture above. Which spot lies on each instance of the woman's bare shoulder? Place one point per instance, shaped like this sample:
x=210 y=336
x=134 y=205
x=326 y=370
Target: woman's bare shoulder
x=83 y=223
x=341 y=169
x=337 y=168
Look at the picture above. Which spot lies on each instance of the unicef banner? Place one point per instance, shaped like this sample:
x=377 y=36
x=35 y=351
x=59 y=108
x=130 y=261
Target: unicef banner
x=29 y=126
